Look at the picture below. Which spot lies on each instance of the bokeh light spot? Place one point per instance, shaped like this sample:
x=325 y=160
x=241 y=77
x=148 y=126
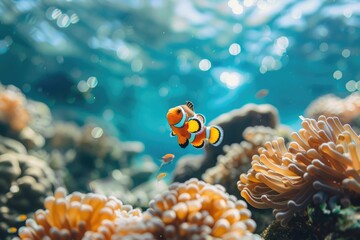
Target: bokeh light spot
x=351 y=86
x=74 y=18
x=231 y=79
x=346 y=53
x=204 y=65
x=92 y=82
x=234 y=49
x=282 y=43
x=63 y=21
x=237 y=28
x=97 y=132
x=83 y=86
x=163 y=92
x=137 y=65
x=337 y=74
x=324 y=47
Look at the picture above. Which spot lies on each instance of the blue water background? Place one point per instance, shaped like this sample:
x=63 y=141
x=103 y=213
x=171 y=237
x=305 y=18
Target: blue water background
x=146 y=56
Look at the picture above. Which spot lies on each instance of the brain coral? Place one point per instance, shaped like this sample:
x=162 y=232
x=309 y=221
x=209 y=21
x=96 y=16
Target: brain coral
x=323 y=163
x=25 y=181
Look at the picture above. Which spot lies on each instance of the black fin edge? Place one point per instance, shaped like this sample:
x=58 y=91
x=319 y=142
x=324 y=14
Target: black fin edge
x=198 y=123
x=220 y=135
x=200 y=146
x=184 y=145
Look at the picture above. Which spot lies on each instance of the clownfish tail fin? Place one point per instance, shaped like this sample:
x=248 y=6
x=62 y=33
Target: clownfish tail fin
x=215 y=135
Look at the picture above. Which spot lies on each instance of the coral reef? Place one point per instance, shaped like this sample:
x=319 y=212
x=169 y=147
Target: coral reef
x=233 y=123
x=25 y=181
x=23 y=119
x=85 y=156
x=338 y=223
x=321 y=165
x=13 y=112
x=346 y=109
x=187 y=166
x=190 y=210
x=129 y=187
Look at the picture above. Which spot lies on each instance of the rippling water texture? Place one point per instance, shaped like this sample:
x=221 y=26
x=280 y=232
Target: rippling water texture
x=127 y=62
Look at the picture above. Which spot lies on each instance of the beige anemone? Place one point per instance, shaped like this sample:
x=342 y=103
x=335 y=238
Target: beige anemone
x=198 y=210
x=321 y=164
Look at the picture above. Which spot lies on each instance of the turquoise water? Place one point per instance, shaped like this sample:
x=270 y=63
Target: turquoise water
x=121 y=65
x=149 y=56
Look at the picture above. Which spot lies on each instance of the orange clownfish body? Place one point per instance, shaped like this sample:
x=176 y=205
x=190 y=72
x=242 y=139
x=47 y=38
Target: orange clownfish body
x=190 y=127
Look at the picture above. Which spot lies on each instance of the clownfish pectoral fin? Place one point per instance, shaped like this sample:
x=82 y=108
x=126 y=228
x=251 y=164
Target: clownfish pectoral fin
x=199 y=144
x=172 y=134
x=190 y=105
x=215 y=135
x=183 y=142
x=201 y=117
x=194 y=125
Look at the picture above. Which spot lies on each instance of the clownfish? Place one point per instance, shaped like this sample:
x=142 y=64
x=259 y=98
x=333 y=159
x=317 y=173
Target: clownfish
x=190 y=127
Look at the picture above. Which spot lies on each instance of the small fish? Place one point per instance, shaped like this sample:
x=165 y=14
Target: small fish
x=161 y=176
x=12 y=230
x=262 y=93
x=190 y=127
x=21 y=217
x=167 y=158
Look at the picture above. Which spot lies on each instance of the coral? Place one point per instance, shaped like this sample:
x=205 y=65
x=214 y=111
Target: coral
x=13 y=112
x=322 y=165
x=196 y=210
x=120 y=184
x=187 y=166
x=23 y=119
x=89 y=153
x=298 y=227
x=234 y=123
x=346 y=109
x=25 y=181
x=338 y=223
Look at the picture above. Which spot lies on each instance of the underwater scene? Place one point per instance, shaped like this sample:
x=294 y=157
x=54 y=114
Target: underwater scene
x=172 y=120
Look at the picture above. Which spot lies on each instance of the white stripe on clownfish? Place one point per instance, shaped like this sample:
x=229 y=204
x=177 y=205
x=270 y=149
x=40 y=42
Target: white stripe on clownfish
x=192 y=137
x=183 y=119
x=207 y=133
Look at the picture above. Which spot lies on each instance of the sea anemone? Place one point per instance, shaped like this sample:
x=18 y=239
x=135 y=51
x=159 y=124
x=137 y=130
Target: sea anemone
x=197 y=210
x=237 y=158
x=190 y=210
x=322 y=164
x=72 y=216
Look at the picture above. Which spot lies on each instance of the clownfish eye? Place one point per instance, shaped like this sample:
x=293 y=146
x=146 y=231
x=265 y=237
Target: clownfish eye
x=178 y=111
